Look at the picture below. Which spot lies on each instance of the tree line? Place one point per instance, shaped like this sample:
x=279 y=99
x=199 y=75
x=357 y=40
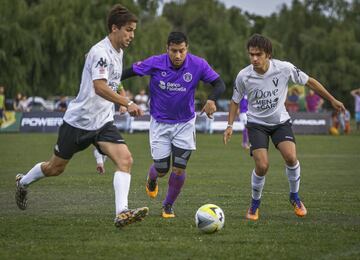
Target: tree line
x=43 y=42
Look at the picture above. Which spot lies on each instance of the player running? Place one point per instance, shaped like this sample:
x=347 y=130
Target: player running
x=265 y=82
x=89 y=118
x=174 y=77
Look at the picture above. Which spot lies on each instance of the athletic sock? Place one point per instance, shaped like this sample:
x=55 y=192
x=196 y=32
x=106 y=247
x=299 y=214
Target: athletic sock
x=293 y=173
x=152 y=173
x=33 y=175
x=100 y=159
x=175 y=184
x=121 y=188
x=257 y=185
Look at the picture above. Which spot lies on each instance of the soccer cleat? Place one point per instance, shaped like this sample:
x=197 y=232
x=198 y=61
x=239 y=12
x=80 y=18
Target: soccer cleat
x=299 y=207
x=152 y=188
x=253 y=211
x=129 y=216
x=168 y=211
x=251 y=215
x=21 y=193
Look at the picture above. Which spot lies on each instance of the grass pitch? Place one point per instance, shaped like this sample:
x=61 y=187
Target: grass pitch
x=71 y=216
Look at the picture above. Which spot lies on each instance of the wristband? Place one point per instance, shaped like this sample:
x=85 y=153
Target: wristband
x=130 y=103
x=231 y=126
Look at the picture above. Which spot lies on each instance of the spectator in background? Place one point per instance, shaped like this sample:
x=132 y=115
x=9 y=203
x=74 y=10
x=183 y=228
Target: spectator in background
x=313 y=102
x=2 y=104
x=61 y=105
x=16 y=103
x=356 y=94
x=292 y=101
x=141 y=100
x=24 y=104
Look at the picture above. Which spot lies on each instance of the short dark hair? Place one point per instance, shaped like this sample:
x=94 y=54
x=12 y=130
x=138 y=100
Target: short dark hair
x=120 y=16
x=261 y=42
x=177 y=38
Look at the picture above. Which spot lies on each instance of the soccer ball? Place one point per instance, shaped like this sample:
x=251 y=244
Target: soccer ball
x=209 y=218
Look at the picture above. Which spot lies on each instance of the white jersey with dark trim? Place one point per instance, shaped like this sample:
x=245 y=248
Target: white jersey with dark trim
x=88 y=110
x=267 y=93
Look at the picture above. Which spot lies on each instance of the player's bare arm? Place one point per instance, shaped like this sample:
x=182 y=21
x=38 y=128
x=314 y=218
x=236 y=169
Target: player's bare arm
x=321 y=90
x=103 y=90
x=231 y=118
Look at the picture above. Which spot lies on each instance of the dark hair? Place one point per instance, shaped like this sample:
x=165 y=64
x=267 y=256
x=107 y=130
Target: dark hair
x=177 y=38
x=261 y=42
x=120 y=16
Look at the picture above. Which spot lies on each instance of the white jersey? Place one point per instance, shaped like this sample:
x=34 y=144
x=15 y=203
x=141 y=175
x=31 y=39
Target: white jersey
x=267 y=93
x=88 y=110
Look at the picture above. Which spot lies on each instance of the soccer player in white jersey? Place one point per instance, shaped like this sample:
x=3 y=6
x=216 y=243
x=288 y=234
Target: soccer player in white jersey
x=89 y=118
x=265 y=81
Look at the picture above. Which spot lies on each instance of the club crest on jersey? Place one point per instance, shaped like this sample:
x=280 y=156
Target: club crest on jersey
x=163 y=73
x=187 y=77
x=275 y=80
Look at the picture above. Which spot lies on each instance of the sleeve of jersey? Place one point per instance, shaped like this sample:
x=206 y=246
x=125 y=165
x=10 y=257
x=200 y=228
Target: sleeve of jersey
x=208 y=74
x=99 y=66
x=143 y=68
x=239 y=90
x=298 y=76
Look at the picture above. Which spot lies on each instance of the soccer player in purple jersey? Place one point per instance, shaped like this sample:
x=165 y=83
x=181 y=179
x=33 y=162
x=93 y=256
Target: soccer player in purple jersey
x=265 y=81
x=174 y=77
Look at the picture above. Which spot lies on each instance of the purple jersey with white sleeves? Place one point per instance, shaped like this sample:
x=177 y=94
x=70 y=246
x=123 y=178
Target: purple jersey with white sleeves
x=172 y=90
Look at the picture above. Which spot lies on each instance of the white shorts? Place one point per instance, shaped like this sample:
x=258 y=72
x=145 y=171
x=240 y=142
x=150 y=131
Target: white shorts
x=163 y=135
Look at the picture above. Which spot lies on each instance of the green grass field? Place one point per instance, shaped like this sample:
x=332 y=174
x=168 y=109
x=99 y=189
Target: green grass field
x=71 y=216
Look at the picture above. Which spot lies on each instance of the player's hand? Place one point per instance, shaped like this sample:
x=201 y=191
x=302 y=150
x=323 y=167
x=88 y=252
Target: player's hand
x=227 y=134
x=209 y=108
x=122 y=109
x=338 y=106
x=100 y=168
x=135 y=110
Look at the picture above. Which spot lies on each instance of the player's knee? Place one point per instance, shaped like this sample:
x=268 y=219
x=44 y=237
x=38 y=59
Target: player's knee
x=127 y=161
x=262 y=168
x=180 y=158
x=162 y=166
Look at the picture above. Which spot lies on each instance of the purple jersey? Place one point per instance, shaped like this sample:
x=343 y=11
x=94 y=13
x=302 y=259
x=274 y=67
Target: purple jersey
x=172 y=90
x=244 y=104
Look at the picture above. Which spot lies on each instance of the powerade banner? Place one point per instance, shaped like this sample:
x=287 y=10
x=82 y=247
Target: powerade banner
x=46 y=122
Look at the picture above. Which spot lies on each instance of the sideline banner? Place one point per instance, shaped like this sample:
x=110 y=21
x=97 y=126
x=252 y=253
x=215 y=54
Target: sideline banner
x=46 y=122
x=49 y=122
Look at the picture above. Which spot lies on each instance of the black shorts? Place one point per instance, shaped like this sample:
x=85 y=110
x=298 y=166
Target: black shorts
x=259 y=134
x=72 y=140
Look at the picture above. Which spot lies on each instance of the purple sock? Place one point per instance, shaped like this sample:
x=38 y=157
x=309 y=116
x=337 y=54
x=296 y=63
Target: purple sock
x=175 y=184
x=152 y=173
x=245 y=136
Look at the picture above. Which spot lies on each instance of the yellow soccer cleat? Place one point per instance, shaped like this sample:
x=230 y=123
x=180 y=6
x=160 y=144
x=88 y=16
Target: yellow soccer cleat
x=168 y=211
x=299 y=209
x=254 y=216
x=152 y=188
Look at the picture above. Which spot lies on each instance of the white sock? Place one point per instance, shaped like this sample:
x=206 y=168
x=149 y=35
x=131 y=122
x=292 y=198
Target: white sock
x=293 y=173
x=121 y=187
x=33 y=175
x=100 y=159
x=257 y=185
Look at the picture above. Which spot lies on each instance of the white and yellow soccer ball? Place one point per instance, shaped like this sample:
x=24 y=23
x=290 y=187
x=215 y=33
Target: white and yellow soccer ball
x=209 y=218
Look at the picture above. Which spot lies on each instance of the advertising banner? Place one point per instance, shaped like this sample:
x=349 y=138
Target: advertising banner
x=46 y=122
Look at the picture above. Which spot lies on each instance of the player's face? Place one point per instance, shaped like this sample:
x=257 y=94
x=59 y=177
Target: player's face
x=124 y=35
x=259 y=59
x=177 y=53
